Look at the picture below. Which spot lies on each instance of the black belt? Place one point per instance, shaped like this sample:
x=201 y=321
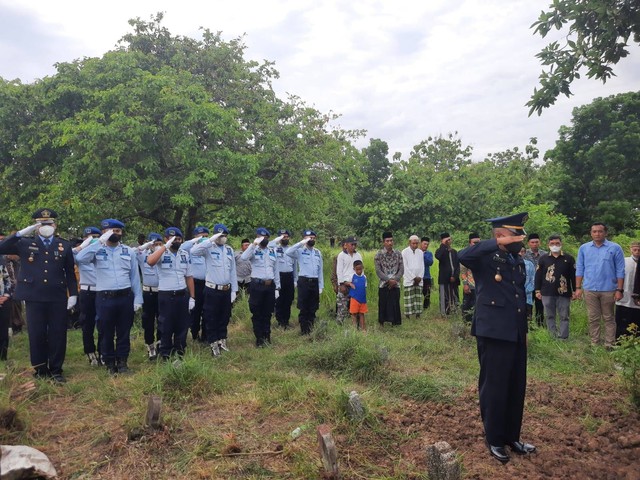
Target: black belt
x=260 y=281
x=174 y=293
x=115 y=293
x=308 y=279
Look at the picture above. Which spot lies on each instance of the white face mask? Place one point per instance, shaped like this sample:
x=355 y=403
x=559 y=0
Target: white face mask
x=555 y=249
x=46 y=230
x=221 y=240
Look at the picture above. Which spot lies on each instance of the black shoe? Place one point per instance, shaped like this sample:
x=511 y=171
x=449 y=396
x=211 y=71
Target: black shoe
x=499 y=453
x=522 y=448
x=41 y=374
x=112 y=369
x=58 y=378
x=121 y=366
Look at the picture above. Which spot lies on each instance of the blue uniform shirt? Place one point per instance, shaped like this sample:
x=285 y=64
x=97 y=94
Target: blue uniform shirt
x=149 y=273
x=360 y=292
x=600 y=267
x=87 y=272
x=116 y=268
x=285 y=262
x=198 y=263
x=309 y=262
x=264 y=263
x=220 y=263
x=172 y=270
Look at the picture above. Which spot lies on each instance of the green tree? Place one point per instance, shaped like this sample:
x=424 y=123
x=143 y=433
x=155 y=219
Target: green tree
x=597 y=37
x=597 y=173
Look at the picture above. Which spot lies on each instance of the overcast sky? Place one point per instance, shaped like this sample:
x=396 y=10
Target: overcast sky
x=401 y=70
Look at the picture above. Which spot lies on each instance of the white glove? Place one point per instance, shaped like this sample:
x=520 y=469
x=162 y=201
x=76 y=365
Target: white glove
x=71 y=301
x=105 y=236
x=144 y=246
x=303 y=241
x=28 y=230
x=137 y=306
x=192 y=303
x=320 y=291
x=216 y=236
x=233 y=296
x=295 y=284
x=277 y=239
x=169 y=242
x=277 y=294
x=86 y=242
x=258 y=240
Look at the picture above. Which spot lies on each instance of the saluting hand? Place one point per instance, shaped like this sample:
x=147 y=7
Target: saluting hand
x=258 y=240
x=169 y=242
x=144 y=246
x=216 y=236
x=28 y=230
x=85 y=243
x=277 y=239
x=104 y=238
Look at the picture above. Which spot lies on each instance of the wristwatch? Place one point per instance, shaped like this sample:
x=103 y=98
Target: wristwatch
x=620 y=290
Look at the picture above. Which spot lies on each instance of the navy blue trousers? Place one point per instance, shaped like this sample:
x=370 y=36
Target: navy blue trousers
x=150 y=317
x=173 y=323
x=115 y=317
x=88 y=320
x=285 y=300
x=502 y=384
x=217 y=313
x=197 y=313
x=47 y=327
x=262 y=299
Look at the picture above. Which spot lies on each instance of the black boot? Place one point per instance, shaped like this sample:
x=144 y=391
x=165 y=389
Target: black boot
x=121 y=365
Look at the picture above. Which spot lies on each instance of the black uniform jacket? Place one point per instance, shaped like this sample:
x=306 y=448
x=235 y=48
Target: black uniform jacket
x=46 y=274
x=501 y=302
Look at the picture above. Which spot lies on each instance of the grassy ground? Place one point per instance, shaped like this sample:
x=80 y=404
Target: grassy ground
x=232 y=416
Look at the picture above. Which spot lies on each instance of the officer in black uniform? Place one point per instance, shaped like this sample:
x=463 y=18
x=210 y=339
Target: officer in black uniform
x=500 y=327
x=46 y=277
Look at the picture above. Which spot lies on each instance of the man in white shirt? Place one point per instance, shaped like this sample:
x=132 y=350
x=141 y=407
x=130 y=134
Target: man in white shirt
x=413 y=261
x=345 y=272
x=627 y=310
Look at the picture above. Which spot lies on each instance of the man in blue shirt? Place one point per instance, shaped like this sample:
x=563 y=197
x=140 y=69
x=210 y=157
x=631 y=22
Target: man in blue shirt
x=221 y=286
x=87 y=299
x=310 y=279
x=119 y=294
x=288 y=277
x=426 y=278
x=175 y=293
x=199 y=271
x=600 y=275
x=265 y=285
x=150 y=315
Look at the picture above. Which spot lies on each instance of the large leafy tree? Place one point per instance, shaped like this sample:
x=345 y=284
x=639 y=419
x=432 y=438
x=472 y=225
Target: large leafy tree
x=597 y=172
x=596 y=35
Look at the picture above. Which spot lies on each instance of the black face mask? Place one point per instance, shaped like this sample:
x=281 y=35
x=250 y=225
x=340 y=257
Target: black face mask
x=514 y=247
x=175 y=246
x=115 y=238
x=264 y=243
x=284 y=243
x=311 y=243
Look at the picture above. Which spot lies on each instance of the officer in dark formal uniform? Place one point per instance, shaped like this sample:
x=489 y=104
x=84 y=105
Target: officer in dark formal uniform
x=46 y=277
x=500 y=327
x=288 y=277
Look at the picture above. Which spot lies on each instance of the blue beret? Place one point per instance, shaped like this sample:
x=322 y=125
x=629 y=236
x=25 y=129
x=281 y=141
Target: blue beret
x=91 y=231
x=173 y=232
x=111 y=223
x=200 y=229
x=44 y=215
x=220 y=227
x=154 y=237
x=284 y=231
x=307 y=233
x=262 y=232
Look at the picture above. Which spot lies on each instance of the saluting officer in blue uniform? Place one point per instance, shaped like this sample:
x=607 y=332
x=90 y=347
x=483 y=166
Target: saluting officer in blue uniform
x=87 y=300
x=221 y=285
x=175 y=293
x=118 y=292
x=46 y=277
x=150 y=324
x=264 y=287
x=310 y=279
x=288 y=277
x=199 y=271
x=500 y=327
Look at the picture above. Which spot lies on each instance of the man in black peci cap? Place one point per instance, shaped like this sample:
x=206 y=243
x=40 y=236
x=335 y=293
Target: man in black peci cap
x=500 y=327
x=47 y=283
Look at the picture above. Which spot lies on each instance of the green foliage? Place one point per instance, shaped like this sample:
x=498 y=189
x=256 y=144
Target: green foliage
x=595 y=161
x=597 y=37
x=627 y=354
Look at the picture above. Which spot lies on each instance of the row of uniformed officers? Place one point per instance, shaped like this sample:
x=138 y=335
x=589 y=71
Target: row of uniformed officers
x=178 y=285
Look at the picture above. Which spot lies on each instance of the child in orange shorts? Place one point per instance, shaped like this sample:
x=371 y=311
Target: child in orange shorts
x=358 y=294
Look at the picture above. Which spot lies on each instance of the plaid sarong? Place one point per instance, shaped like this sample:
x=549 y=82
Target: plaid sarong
x=413 y=300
